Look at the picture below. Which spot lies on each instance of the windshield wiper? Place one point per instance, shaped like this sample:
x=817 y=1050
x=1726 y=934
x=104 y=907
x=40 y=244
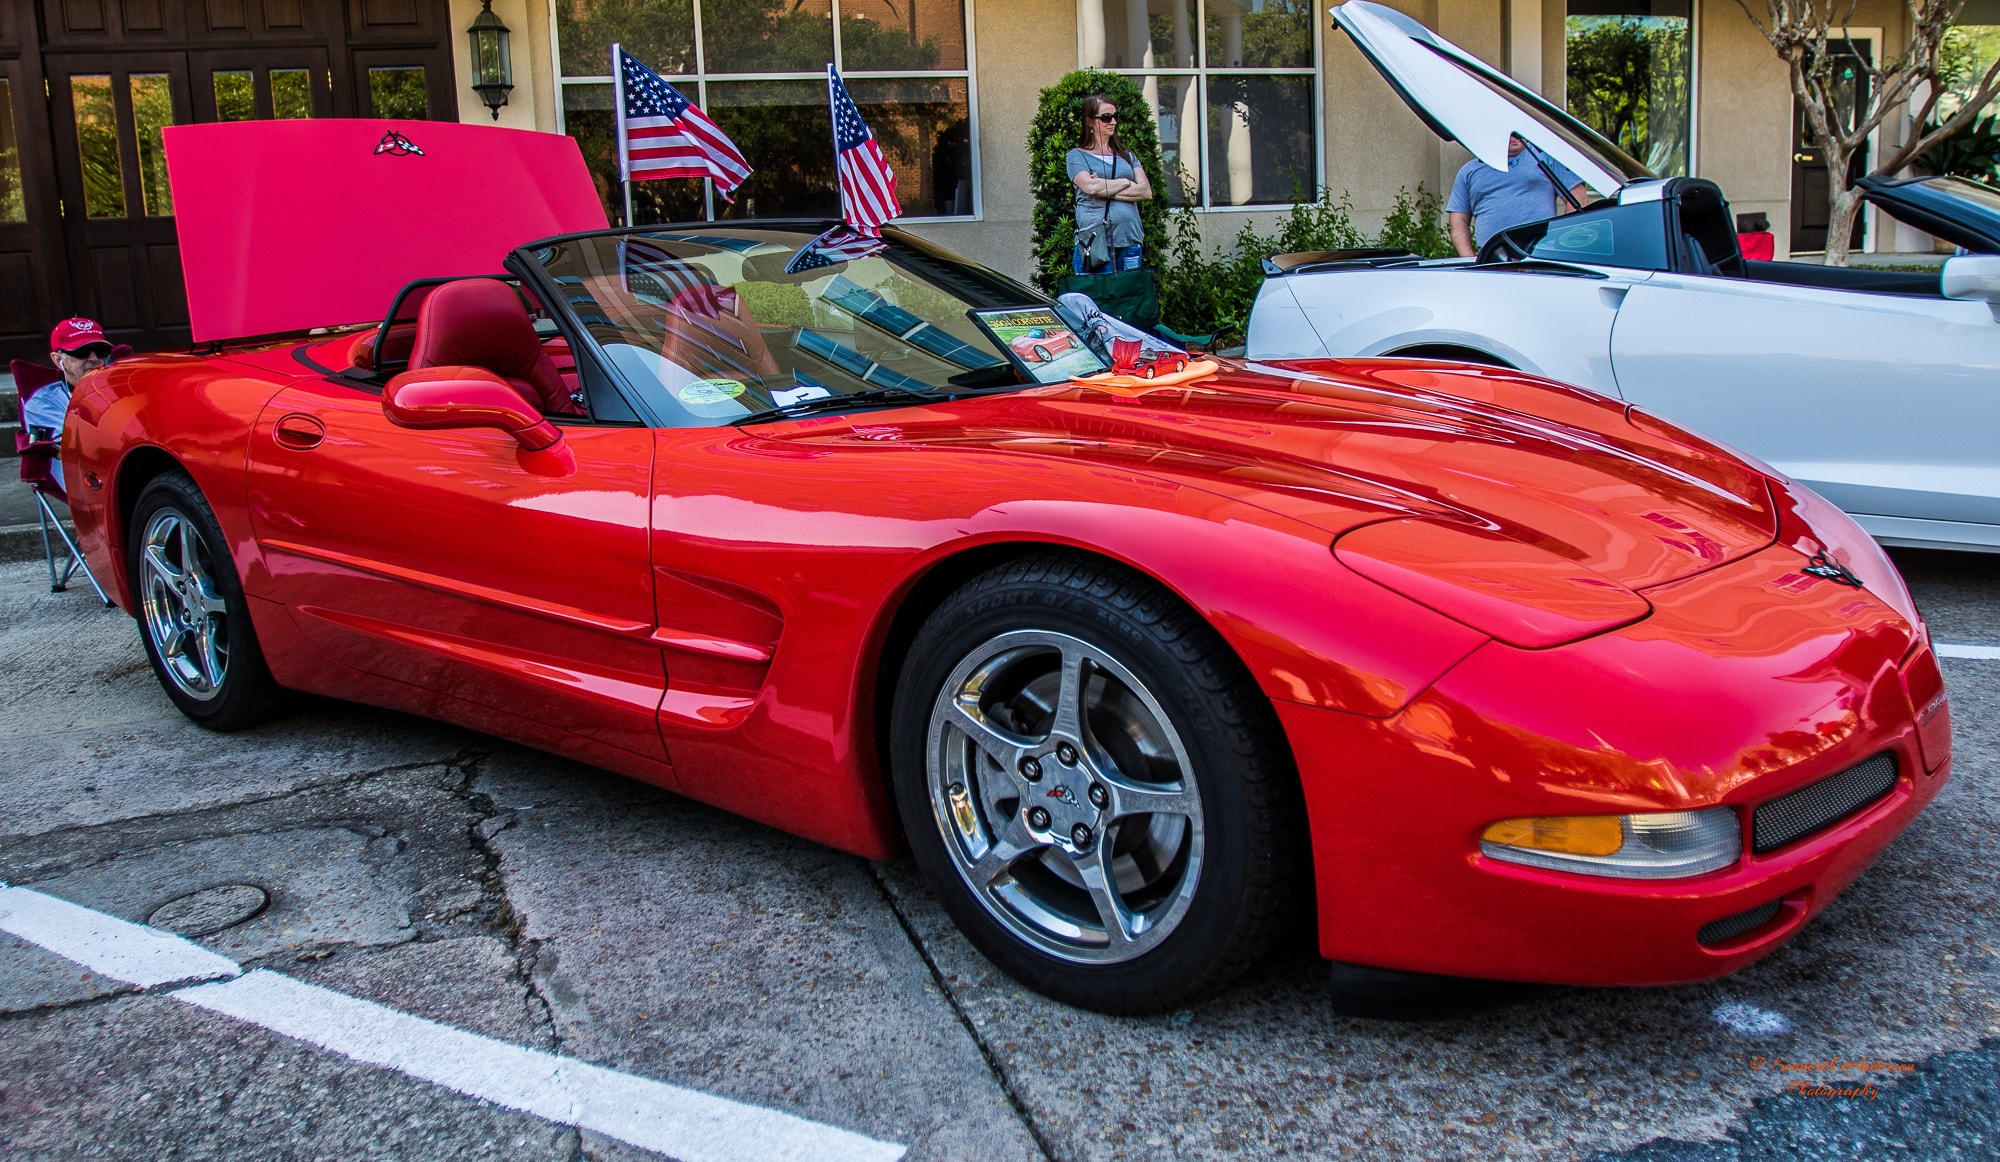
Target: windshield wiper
x=872 y=398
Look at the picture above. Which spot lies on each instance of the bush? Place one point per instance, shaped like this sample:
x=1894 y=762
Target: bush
x=1200 y=293
x=1055 y=131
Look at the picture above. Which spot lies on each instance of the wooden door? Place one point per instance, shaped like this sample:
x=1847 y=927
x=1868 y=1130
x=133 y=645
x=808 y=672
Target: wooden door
x=33 y=271
x=107 y=111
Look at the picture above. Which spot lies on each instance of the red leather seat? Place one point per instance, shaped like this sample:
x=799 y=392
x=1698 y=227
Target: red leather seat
x=480 y=322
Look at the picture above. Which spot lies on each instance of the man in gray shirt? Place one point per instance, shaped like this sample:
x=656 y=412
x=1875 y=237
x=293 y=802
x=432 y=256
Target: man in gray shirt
x=1497 y=200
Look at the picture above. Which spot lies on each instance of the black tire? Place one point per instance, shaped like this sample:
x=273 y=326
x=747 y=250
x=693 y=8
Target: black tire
x=1206 y=882
x=195 y=621
x=1041 y=353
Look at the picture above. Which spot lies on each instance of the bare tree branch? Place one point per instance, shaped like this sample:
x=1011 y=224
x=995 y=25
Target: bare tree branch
x=1801 y=32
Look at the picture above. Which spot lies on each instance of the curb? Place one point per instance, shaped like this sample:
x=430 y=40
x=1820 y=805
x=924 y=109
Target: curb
x=24 y=542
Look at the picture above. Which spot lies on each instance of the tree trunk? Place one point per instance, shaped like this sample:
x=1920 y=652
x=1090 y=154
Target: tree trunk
x=1846 y=203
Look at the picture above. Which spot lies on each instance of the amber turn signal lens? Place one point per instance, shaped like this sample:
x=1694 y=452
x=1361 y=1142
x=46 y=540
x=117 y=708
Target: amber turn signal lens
x=1569 y=834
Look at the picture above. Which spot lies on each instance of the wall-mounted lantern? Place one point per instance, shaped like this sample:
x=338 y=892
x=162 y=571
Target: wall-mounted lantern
x=492 y=61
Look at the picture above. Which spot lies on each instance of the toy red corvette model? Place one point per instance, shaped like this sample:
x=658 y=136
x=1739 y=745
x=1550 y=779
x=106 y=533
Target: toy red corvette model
x=1128 y=357
x=1482 y=675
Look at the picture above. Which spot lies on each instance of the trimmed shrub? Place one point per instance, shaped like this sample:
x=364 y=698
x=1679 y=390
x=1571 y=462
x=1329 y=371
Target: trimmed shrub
x=1057 y=129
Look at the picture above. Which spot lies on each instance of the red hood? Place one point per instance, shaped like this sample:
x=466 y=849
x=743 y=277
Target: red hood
x=286 y=225
x=1346 y=444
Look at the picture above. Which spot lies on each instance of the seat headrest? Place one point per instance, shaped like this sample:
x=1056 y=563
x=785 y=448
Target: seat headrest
x=476 y=322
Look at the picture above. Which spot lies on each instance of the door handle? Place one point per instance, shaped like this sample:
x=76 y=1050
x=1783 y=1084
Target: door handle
x=300 y=431
x=1803 y=157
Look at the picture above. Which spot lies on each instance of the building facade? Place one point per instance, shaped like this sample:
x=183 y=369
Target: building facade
x=1254 y=100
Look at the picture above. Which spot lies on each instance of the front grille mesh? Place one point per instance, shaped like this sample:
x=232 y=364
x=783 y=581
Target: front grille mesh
x=1730 y=927
x=1820 y=804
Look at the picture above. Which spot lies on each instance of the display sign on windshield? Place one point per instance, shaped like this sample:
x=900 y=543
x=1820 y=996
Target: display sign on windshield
x=1039 y=343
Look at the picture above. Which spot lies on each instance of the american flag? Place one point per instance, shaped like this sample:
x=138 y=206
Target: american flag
x=647 y=268
x=841 y=244
x=867 y=184
x=662 y=135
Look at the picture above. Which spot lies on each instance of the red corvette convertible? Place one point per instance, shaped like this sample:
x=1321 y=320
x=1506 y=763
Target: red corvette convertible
x=1480 y=675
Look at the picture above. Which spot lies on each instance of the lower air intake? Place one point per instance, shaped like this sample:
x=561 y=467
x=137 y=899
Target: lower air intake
x=1730 y=927
x=1822 y=804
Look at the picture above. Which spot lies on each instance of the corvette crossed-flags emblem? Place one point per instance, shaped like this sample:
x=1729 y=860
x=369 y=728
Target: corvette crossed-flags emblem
x=395 y=143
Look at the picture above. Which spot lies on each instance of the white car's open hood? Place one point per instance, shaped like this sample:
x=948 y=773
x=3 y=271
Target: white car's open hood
x=1463 y=99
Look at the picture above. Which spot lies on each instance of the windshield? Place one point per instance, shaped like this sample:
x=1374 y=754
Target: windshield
x=1606 y=235
x=708 y=326
x=1985 y=197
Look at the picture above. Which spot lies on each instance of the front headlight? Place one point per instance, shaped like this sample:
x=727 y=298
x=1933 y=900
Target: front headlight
x=1663 y=845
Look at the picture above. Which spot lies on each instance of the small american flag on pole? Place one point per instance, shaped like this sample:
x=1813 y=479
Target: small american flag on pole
x=841 y=244
x=661 y=134
x=867 y=184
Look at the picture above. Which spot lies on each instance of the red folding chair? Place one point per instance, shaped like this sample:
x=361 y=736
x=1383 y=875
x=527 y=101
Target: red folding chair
x=37 y=457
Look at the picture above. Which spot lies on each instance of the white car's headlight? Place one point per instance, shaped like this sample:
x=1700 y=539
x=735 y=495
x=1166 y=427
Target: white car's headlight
x=1662 y=845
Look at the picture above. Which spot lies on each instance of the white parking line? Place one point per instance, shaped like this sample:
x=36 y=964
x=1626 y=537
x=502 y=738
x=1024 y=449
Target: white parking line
x=682 y=1123
x=1986 y=653
x=107 y=945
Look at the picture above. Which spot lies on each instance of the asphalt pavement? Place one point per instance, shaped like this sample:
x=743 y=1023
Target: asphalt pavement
x=441 y=874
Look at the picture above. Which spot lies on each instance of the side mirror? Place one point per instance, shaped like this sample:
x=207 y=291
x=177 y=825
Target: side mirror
x=465 y=397
x=1976 y=278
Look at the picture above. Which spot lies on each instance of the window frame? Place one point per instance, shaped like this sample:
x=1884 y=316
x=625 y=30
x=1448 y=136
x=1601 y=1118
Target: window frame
x=1202 y=70
x=701 y=77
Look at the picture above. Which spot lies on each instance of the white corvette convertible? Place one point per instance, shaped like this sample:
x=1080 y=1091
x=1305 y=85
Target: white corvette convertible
x=1878 y=389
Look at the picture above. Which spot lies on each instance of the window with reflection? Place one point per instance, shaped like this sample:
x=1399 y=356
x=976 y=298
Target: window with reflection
x=291 y=94
x=1630 y=76
x=13 y=206
x=1233 y=89
x=758 y=67
x=152 y=112
x=235 y=95
x=398 y=92
x=96 y=118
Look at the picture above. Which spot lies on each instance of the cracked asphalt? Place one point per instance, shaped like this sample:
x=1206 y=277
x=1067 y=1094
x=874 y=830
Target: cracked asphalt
x=509 y=893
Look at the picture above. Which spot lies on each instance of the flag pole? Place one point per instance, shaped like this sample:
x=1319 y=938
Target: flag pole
x=832 y=119
x=618 y=116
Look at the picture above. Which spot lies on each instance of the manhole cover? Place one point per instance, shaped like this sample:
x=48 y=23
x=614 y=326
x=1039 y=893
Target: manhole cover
x=210 y=910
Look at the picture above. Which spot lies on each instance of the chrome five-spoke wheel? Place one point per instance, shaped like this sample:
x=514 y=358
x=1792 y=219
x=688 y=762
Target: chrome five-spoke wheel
x=192 y=613
x=1094 y=786
x=1066 y=799
x=185 y=617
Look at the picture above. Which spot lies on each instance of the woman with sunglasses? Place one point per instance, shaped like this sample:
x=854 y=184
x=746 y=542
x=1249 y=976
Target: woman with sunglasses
x=1109 y=184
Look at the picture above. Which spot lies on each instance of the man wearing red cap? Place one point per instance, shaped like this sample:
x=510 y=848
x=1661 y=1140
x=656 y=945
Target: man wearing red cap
x=78 y=347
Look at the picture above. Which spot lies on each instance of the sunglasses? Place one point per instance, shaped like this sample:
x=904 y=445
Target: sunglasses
x=1105 y=117
x=90 y=351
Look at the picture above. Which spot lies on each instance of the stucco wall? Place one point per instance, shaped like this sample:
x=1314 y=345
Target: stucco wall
x=531 y=105
x=1743 y=110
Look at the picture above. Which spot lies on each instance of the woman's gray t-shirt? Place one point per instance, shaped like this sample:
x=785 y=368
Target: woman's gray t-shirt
x=1125 y=227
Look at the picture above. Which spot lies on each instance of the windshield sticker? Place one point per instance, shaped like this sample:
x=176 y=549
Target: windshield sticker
x=1039 y=343
x=708 y=391
x=799 y=394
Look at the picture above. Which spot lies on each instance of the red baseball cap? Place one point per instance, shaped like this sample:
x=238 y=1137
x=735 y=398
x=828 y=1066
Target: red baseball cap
x=73 y=333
